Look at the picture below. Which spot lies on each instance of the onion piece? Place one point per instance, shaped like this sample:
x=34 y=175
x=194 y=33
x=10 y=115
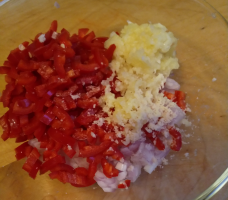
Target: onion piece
x=102 y=184
x=135 y=173
x=121 y=176
x=150 y=168
x=121 y=166
x=171 y=84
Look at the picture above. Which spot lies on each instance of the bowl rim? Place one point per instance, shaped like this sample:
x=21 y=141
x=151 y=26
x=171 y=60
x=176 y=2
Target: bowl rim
x=223 y=179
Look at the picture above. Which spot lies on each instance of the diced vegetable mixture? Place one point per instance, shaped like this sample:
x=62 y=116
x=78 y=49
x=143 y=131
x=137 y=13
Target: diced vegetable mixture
x=58 y=93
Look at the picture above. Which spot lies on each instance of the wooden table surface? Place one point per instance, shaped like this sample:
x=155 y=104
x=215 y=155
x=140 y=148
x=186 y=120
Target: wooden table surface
x=201 y=51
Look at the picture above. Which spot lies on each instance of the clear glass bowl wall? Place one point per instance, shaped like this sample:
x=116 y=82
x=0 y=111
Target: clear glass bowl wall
x=202 y=48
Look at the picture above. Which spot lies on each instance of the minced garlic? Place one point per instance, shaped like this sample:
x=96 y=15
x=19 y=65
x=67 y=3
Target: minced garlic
x=142 y=61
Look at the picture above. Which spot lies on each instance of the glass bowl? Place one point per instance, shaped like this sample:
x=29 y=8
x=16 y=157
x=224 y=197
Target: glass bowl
x=203 y=75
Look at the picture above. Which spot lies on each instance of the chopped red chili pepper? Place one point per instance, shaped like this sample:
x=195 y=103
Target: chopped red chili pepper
x=6 y=94
x=89 y=151
x=31 y=160
x=108 y=169
x=177 y=142
x=63 y=167
x=46 y=166
x=125 y=184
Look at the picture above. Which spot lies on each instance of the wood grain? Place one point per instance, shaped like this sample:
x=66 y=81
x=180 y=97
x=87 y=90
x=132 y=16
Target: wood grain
x=201 y=50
